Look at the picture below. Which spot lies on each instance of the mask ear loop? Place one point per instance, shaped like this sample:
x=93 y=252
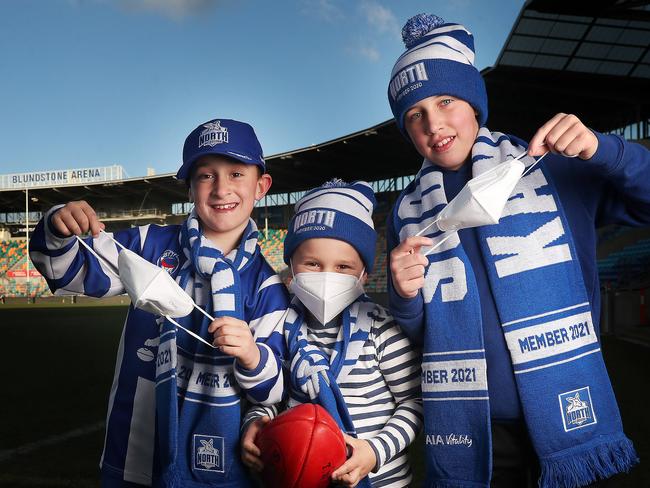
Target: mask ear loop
x=196 y=336
x=534 y=164
x=422 y=231
x=438 y=244
x=109 y=266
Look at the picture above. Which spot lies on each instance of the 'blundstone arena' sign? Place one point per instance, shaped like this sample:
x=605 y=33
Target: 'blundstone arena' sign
x=61 y=177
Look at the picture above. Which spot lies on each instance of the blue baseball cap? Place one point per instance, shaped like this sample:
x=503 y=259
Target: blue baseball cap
x=225 y=137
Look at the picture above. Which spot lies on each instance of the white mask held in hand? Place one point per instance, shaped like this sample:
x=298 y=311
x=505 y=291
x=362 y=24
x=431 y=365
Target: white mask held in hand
x=326 y=294
x=151 y=288
x=482 y=199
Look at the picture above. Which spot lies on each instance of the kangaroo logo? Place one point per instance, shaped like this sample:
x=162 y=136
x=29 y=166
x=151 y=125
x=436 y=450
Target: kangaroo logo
x=213 y=134
x=208 y=453
x=577 y=409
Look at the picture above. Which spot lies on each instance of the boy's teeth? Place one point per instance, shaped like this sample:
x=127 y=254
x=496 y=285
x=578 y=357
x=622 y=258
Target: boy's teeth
x=446 y=140
x=227 y=206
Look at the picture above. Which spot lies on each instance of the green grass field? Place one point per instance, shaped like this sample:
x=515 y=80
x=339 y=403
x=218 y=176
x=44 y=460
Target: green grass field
x=58 y=365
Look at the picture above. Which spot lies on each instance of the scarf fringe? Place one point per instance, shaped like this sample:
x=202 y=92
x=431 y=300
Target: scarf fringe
x=583 y=468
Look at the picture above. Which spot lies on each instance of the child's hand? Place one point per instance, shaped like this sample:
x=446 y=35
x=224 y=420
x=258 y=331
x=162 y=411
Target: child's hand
x=362 y=461
x=564 y=134
x=76 y=218
x=234 y=338
x=407 y=266
x=250 y=453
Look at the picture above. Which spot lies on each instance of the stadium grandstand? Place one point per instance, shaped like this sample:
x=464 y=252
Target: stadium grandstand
x=589 y=58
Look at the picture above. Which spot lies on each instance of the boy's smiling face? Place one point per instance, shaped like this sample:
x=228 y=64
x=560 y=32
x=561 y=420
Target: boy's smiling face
x=326 y=254
x=224 y=192
x=443 y=129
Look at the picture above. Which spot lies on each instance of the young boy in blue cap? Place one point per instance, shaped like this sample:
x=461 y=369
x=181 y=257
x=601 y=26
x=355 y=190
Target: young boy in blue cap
x=346 y=352
x=175 y=406
x=507 y=314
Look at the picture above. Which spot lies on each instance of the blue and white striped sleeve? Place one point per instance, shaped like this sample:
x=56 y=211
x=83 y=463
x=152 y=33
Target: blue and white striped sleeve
x=265 y=384
x=400 y=364
x=256 y=412
x=70 y=269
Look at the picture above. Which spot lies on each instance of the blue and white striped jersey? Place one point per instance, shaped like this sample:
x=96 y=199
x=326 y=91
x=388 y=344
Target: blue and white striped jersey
x=129 y=449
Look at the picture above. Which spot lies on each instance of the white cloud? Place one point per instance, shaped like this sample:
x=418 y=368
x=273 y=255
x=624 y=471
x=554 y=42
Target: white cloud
x=364 y=49
x=379 y=17
x=369 y=52
x=323 y=9
x=175 y=9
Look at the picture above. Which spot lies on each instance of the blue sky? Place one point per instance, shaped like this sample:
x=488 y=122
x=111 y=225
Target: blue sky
x=88 y=83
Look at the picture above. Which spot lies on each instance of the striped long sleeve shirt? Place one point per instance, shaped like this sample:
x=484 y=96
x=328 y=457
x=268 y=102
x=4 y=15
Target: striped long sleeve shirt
x=382 y=394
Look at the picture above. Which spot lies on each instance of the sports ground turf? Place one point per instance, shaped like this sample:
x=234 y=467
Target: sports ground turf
x=58 y=365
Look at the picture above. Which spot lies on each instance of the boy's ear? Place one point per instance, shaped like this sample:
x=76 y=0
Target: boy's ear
x=263 y=185
x=190 y=195
x=364 y=278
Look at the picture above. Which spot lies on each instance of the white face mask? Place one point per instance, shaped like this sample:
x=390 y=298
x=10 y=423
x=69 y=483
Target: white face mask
x=482 y=199
x=151 y=288
x=326 y=294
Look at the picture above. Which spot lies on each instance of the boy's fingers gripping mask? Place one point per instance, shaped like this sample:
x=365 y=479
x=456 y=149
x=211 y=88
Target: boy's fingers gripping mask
x=151 y=288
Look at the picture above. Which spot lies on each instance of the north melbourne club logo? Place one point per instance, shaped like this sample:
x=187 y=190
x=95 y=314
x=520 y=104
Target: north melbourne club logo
x=577 y=410
x=213 y=134
x=208 y=453
x=168 y=261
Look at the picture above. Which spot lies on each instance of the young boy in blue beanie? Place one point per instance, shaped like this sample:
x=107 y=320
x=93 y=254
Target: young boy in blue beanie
x=175 y=406
x=346 y=352
x=507 y=314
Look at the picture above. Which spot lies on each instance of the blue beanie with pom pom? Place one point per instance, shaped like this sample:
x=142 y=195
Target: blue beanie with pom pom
x=439 y=60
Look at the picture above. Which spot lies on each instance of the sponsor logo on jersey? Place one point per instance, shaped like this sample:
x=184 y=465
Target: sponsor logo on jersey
x=208 y=453
x=213 y=134
x=168 y=261
x=577 y=410
x=144 y=353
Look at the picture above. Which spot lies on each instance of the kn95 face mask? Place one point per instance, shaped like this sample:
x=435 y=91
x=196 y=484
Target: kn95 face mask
x=482 y=199
x=151 y=288
x=326 y=294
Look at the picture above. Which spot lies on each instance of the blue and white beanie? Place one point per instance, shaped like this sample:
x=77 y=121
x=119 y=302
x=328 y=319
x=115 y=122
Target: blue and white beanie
x=439 y=60
x=335 y=210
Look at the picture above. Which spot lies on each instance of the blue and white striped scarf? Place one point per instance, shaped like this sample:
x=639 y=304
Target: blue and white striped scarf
x=535 y=276
x=211 y=407
x=313 y=374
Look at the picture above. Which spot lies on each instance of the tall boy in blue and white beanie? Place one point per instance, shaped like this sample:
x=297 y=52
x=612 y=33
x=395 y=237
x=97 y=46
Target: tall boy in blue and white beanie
x=507 y=314
x=175 y=404
x=346 y=352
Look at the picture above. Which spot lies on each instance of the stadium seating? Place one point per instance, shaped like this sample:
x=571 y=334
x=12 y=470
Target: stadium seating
x=13 y=257
x=272 y=245
x=377 y=280
x=626 y=267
